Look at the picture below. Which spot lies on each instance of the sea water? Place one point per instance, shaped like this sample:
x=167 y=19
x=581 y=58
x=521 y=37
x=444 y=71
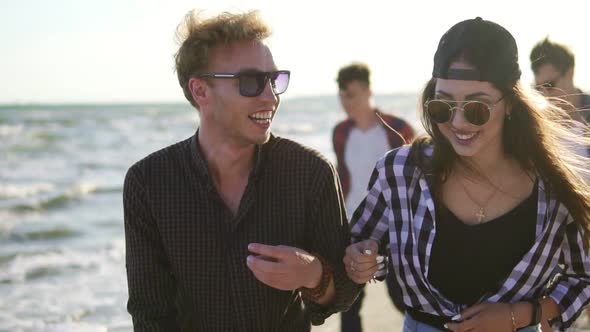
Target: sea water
x=62 y=245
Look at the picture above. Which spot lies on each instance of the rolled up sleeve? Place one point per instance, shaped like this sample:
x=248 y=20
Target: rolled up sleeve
x=370 y=220
x=571 y=291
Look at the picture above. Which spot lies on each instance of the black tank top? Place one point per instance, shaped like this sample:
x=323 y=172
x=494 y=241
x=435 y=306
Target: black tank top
x=469 y=262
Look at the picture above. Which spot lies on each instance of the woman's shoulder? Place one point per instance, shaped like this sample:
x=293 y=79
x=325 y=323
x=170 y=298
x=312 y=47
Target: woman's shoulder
x=407 y=155
x=405 y=160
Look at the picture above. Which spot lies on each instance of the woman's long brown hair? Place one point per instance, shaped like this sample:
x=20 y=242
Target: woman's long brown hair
x=536 y=136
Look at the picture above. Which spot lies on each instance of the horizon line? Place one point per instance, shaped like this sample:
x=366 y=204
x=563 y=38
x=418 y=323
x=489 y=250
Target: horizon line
x=162 y=102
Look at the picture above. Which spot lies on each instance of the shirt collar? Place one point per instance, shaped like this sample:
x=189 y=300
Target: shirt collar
x=261 y=152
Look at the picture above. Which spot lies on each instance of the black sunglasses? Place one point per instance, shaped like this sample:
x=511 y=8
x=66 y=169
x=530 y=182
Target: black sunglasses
x=476 y=112
x=549 y=84
x=546 y=85
x=252 y=83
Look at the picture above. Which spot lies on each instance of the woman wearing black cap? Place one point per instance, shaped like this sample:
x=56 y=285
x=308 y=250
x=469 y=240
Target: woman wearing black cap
x=487 y=218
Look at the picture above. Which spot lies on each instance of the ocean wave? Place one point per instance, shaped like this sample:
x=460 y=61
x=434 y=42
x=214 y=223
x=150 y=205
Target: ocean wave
x=47 y=137
x=7 y=258
x=109 y=190
x=32 y=266
x=76 y=327
x=53 y=202
x=44 y=119
x=290 y=129
x=40 y=326
x=61 y=199
x=11 y=130
x=24 y=190
x=48 y=234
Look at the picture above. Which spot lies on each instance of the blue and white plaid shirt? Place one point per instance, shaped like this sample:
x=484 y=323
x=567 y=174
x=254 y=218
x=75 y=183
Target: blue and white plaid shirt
x=399 y=209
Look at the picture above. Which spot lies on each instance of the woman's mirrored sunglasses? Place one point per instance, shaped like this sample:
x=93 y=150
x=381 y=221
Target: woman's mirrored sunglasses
x=475 y=112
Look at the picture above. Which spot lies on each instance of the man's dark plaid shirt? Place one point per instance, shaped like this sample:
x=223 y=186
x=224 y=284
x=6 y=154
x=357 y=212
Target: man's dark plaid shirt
x=186 y=252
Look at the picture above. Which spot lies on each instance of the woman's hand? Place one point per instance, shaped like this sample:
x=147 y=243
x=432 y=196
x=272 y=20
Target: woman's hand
x=360 y=261
x=492 y=317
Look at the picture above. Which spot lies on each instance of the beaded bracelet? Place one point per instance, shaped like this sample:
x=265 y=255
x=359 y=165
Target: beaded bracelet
x=314 y=294
x=513 y=320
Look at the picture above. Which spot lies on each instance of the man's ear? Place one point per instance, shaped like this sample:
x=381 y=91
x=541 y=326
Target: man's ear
x=569 y=74
x=199 y=90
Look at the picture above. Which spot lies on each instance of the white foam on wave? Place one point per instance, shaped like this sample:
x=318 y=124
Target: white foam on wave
x=40 y=167
x=76 y=327
x=25 y=190
x=82 y=188
x=11 y=130
x=85 y=300
x=24 y=325
x=8 y=222
x=47 y=196
x=24 y=267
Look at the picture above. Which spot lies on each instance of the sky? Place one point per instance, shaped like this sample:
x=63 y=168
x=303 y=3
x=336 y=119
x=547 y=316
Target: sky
x=121 y=51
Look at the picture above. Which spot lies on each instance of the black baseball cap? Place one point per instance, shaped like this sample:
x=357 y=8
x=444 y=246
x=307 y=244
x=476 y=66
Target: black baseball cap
x=486 y=45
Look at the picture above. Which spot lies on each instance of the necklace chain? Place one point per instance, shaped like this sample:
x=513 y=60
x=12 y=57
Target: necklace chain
x=481 y=211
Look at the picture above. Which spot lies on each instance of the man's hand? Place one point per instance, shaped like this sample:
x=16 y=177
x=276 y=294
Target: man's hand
x=361 y=261
x=283 y=267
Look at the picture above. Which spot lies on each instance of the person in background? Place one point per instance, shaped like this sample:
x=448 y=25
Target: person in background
x=359 y=141
x=234 y=229
x=553 y=65
x=488 y=216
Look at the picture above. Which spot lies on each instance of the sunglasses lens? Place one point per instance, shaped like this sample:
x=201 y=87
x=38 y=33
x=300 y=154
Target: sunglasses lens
x=476 y=113
x=252 y=84
x=439 y=111
x=280 y=81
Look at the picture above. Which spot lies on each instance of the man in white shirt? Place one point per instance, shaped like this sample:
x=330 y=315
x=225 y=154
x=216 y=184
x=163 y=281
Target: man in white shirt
x=359 y=141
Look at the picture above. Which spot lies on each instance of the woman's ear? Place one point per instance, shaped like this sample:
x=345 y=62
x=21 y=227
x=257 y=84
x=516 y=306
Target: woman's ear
x=508 y=106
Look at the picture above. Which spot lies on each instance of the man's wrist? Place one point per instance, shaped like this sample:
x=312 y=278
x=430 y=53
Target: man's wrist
x=315 y=277
x=318 y=289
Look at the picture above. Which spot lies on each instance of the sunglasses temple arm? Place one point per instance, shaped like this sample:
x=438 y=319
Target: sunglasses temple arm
x=389 y=127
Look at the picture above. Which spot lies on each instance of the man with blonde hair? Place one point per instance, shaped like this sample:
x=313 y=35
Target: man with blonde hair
x=234 y=228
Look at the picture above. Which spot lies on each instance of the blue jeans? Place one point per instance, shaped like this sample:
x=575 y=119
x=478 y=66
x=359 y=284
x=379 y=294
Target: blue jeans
x=412 y=325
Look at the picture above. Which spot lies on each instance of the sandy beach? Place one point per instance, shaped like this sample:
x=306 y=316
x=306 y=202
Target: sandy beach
x=377 y=313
